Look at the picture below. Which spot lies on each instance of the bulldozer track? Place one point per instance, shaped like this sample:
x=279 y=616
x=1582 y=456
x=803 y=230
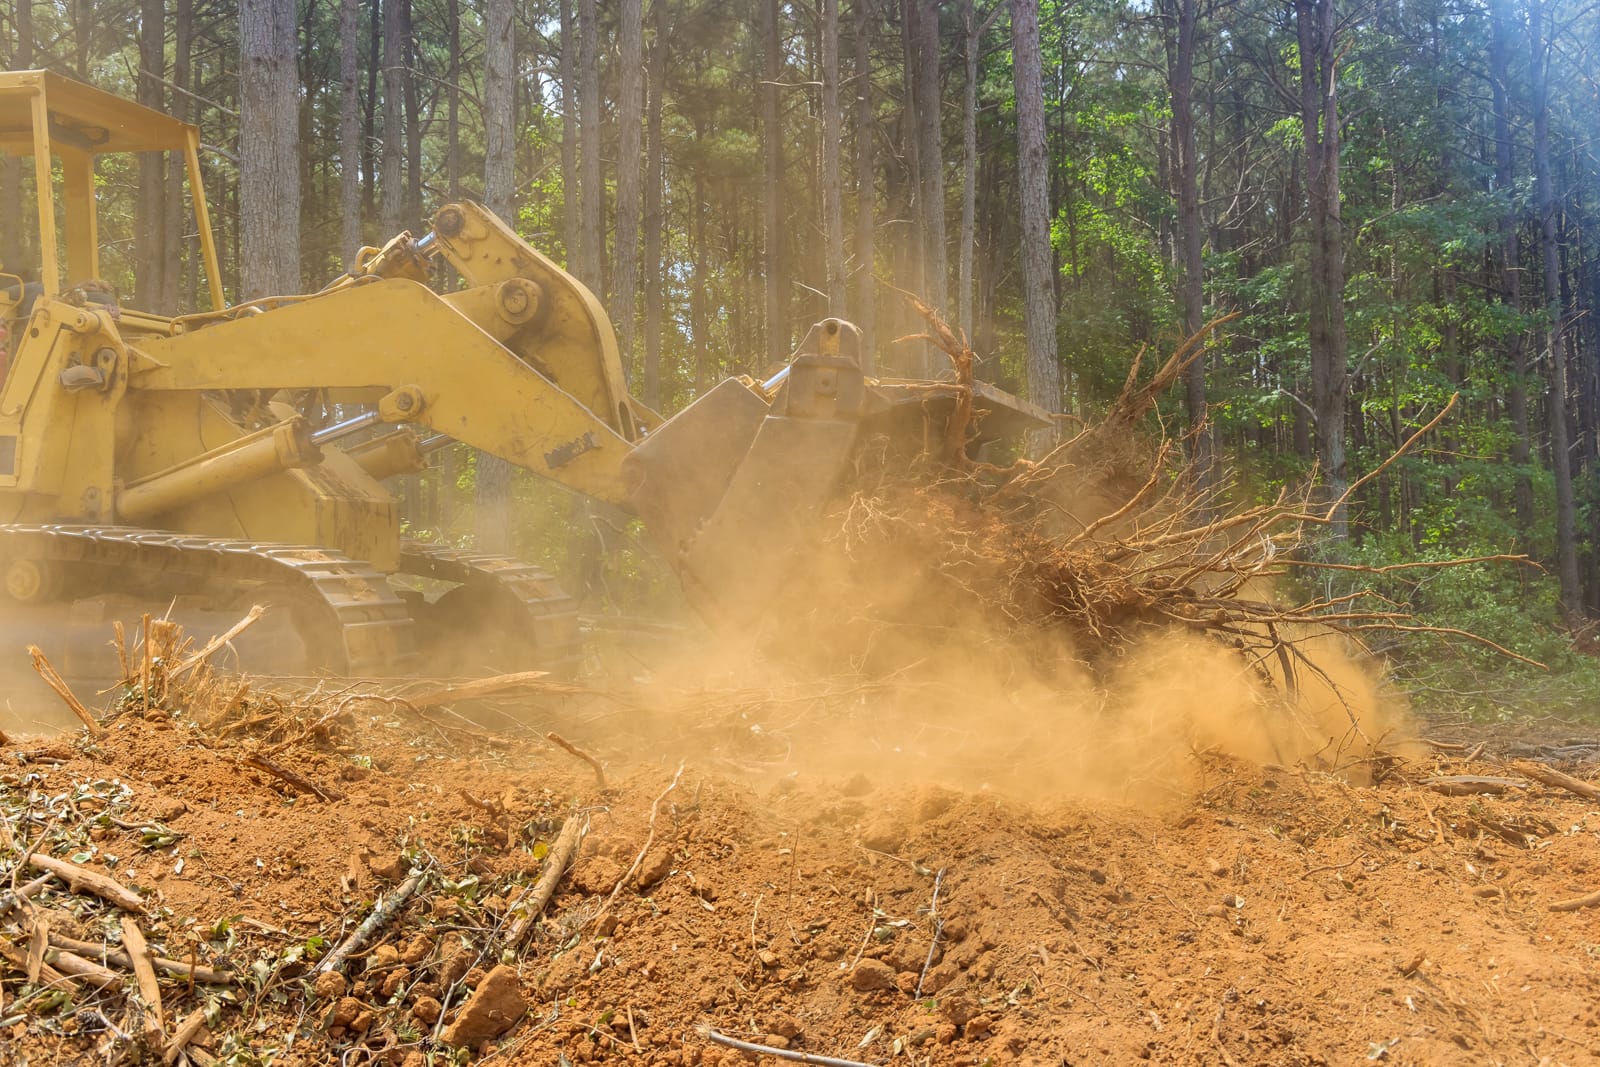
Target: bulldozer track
x=549 y=613
x=359 y=625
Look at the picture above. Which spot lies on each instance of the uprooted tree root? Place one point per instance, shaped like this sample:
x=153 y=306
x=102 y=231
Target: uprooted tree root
x=1104 y=542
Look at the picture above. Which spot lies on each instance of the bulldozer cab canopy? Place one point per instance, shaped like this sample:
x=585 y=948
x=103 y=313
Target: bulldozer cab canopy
x=54 y=119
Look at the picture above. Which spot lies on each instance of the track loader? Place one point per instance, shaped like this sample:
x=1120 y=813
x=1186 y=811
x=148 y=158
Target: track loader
x=239 y=454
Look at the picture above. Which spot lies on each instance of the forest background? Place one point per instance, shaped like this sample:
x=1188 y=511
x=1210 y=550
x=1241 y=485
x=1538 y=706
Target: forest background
x=1396 y=199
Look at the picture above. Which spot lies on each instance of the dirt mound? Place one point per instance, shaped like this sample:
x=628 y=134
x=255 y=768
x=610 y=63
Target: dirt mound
x=1281 y=916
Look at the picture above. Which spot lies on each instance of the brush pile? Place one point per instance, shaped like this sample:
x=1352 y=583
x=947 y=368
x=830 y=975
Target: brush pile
x=1105 y=541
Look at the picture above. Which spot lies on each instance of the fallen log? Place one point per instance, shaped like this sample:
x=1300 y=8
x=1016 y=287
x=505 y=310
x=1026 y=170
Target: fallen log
x=1550 y=776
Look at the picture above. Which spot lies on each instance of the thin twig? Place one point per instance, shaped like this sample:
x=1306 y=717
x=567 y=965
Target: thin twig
x=780 y=1053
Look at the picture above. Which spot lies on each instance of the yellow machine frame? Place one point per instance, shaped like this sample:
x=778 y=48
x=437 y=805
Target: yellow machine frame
x=50 y=117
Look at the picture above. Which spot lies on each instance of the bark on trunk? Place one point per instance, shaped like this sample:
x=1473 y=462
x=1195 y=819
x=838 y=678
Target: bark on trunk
x=1555 y=326
x=568 y=72
x=591 y=187
x=349 y=130
x=1516 y=349
x=625 y=266
x=777 y=325
x=179 y=296
x=973 y=36
x=493 y=485
x=930 y=156
x=832 y=133
x=392 y=179
x=1039 y=304
x=150 y=270
x=865 y=310
x=269 y=180
x=654 y=181
x=1191 y=237
x=1316 y=32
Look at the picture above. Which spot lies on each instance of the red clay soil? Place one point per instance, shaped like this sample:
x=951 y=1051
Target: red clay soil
x=1280 y=917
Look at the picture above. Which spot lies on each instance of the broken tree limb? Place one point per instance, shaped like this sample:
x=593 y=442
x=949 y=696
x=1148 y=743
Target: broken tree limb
x=186 y=1032
x=19 y=959
x=1550 y=776
x=381 y=914
x=11 y=900
x=113 y=958
x=81 y=878
x=1588 y=900
x=78 y=967
x=1464 y=785
x=56 y=682
x=218 y=641
x=294 y=778
x=144 y=973
x=531 y=905
x=561 y=742
x=435 y=694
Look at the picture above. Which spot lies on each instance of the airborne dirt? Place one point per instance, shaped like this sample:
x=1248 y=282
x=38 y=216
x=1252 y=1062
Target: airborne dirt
x=1258 y=914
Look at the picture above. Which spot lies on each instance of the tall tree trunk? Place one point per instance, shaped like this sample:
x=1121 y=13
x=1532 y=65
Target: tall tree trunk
x=178 y=295
x=832 y=134
x=777 y=325
x=973 y=36
x=568 y=71
x=930 y=156
x=591 y=186
x=452 y=133
x=1501 y=21
x=369 y=113
x=1038 y=289
x=1191 y=235
x=150 y=268
x=499 y=106
x=1540 y=46
x=625 y=265
x=269 y=138
x=654 y=182
x=391 y=180
x=349 y=131
x=493 y=485
x=865 y=311
x=1316 y=32
x=413 y=203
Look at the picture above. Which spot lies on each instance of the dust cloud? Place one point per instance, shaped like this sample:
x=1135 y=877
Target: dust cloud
x=903 y=681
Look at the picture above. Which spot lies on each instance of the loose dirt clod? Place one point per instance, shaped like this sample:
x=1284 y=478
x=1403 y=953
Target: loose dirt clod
x=494 y=1007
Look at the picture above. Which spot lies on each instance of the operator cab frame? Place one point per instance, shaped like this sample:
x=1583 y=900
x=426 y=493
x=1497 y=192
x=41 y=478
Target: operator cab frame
x=50 y=118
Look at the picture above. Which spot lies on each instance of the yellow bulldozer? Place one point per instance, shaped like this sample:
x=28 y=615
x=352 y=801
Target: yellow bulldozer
x=240 y=454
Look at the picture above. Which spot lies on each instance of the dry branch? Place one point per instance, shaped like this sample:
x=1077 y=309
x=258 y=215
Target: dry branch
x=1550 y=776
x=62 y=690
x=1588 y=900
x=599 y=772
x=385 y=911
x=144 y=973
x=111 y=957
x=294 y=778
x=531 y=905
x=187 y=1031
x=435 y=694
x=81 y=878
